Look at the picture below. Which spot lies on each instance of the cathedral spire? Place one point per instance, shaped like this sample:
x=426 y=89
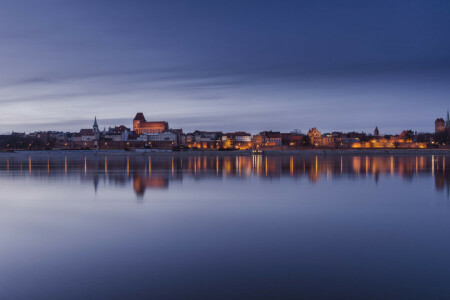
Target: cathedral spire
x=95 y=127
x=447 y=122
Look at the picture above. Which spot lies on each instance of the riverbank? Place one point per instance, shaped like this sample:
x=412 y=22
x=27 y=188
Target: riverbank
x=308 y=152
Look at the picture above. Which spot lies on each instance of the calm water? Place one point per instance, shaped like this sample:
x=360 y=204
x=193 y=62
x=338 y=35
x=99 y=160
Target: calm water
x=256 y=227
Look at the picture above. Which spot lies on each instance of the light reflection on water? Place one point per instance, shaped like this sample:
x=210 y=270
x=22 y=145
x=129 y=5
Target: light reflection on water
x=80 y=226
x=146 y=172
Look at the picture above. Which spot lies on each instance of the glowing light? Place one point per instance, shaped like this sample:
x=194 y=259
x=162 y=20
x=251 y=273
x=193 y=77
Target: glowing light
x=367 y=165
x=432 y=165
x=149 y=165
x=266 y=165
x=128 y=166
x=316 y=165
x=291 y=166
x=217 y=165
x=195 y=166
x=417 y=165
x=392 y=165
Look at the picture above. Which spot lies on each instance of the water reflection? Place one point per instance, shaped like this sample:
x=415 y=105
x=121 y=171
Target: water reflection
x=146 y=172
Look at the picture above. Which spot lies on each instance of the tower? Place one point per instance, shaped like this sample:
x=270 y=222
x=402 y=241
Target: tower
x=439 y=125
x=138 y=120
x=95 y=127
x=376 y=132
x=447 y=122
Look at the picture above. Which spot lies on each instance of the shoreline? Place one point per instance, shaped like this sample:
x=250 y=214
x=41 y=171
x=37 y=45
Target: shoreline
x=306 y=152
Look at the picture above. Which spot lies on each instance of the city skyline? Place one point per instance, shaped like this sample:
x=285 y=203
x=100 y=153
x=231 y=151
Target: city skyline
x=128 y=122
x=225 y=66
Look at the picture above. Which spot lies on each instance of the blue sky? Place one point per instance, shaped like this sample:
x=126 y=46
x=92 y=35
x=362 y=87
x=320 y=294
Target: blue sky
x=225 y=65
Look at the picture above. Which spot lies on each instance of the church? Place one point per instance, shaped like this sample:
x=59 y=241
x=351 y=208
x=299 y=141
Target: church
x=140 y=125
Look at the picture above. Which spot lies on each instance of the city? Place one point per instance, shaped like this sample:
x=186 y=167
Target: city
x=158 y=135
x=224 y=150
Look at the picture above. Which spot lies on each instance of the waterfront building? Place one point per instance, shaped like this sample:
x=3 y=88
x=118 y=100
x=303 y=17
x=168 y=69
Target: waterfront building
x=240 y=137
x=329 y=141
x=189 y=138
x=315 y=136
x=447 y=122
x=239 y=140
x=206 y=140
x=95 y=126
x=58 y=135
x=439 y=125
x=179 y=134
x=208 y=136
x=117 y=134
x=376 y=132
x=296 y=140
x=88 y=135
x=140 y=125
x=141 y=138
x=271 y=138
x=162 y=137
x=257 y=141
x=75 y=138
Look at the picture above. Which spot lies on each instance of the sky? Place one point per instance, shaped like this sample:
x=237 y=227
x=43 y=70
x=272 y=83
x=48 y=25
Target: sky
x=225 y=65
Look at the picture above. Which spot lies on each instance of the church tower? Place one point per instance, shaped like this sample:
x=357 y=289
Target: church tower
x=95 y=127
x=447 y=121
x=376 y=132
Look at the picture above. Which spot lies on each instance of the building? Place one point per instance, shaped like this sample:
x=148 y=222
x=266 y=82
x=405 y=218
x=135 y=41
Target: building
x=240 y=137
x=140 y=125
x=76 y=137
x=162 y=137
x=296 y=140
x=257 y=141
x=88 y=135
x=179 y=134
x=447 y=122
x=117 y=134
x=238 y=140
x=376 y=132
x=208 y=136
x=271 y=138
x=315 y=136
x=329 y=141
x=205 y=140
x=95 y=127
x=439 y=125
